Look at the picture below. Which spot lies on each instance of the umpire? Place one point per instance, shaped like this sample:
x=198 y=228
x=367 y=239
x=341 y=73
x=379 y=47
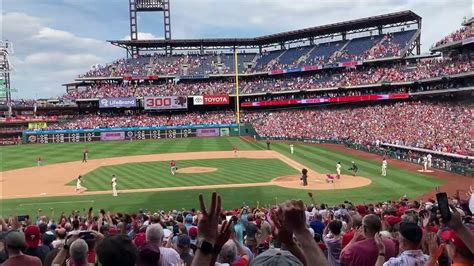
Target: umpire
x=268 y=144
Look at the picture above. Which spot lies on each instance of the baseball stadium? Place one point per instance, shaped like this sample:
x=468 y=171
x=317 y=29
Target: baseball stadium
x=350 y=117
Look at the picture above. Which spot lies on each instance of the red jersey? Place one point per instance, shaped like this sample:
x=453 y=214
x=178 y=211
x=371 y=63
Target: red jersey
x=173 y=164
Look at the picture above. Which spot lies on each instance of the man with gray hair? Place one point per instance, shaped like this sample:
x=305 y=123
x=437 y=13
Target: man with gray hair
x=78 y=252
x=168 y=256
x=15 y=243
x=229 y=254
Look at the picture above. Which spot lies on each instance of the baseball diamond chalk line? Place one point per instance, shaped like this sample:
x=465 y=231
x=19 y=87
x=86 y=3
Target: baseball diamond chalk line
x=56 y=202
x=51 y=180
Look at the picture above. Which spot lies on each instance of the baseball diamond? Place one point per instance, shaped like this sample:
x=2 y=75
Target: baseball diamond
x=349 y=142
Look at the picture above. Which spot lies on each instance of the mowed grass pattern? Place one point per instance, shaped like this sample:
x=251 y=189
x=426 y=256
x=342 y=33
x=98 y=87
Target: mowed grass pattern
x=14 y=157
x=157 y=174
x=398 y=182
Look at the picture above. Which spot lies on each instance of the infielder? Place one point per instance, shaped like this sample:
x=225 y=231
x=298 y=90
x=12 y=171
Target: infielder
x=78 y=184
x=235 y=149
x=429 y=159
x=384 y=167
x=173 y=167
x=85 y=156
x=38 y=161
x=338 y=169
x=425 y=163
x=292 y=147
x=114 y=186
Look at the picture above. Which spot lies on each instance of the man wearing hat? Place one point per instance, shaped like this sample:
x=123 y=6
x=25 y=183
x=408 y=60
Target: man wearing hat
x=457 y=249
x=410 y=246
x=33 y=238
x=14 y=244
x=184 y=248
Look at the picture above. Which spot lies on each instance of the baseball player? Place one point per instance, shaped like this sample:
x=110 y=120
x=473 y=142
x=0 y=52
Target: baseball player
x=329 y=178
x=85 y=156
x=78 y=184
x=39 y=162
x=354 y=168
x=429 y=157
x=384 y=167
x=173 y=167
x=235 y=149
x=292 y=147
x=425 y=163
x=338 y=169
x=114 y=186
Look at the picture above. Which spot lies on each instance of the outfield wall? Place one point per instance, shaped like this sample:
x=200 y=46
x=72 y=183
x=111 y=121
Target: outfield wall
x=131 y=133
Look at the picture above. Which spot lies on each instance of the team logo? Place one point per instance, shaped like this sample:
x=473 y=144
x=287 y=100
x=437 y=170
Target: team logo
x=198 y=100
x=104 y=102
x=32 y=138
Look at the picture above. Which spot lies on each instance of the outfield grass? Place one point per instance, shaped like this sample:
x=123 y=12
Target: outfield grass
x=14 y=157
x=398 y=182
x=157 y=174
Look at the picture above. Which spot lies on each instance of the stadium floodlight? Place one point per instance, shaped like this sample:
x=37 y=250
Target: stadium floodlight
x=5 y=68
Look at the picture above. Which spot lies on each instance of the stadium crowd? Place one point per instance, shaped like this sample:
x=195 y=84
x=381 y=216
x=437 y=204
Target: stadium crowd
x=402 y=232
x=461 y=34
x=442 y=127
x=424 y=69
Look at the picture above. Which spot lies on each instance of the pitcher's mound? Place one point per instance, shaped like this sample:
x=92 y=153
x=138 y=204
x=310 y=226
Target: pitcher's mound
x=318 y=182
x=196 y=170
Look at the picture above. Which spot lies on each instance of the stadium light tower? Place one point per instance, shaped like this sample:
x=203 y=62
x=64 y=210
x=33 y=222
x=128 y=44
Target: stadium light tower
x=149 y=6
x=5 y=68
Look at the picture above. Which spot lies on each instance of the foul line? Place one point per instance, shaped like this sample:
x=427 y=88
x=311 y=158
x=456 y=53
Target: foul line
x=56 y=202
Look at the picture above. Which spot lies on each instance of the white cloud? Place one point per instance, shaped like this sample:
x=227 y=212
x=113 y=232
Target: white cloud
x=143 y=36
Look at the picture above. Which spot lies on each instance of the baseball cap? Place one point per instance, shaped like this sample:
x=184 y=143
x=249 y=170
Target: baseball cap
x=189 y=218
x=140 y=239
x=48 y=237
x=392 y=220
x=32 y=236
x=112 y=230
x=275 y=257
x=15 y=239
x=192 y=232
x=452 y=237
x=149 y=254
x=184 y=240
x=411 y=232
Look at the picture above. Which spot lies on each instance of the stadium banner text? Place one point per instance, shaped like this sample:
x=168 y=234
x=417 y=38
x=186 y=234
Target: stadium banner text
x=362 y=98
x=112 y=135
x=211 y=100
x=165 y=102
x=316 y=67
x=207 y=132
x=122 y=102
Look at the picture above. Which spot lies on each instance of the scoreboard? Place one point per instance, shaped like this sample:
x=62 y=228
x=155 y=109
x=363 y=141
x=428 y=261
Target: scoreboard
x=67 y=137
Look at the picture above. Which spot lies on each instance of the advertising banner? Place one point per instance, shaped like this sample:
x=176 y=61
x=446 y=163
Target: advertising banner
x=37 y=125
x=112 y=135
x=215 y=99
x=117 y=102
x=225 y=132
x=207 y=132
x=361 y=98
x=165 y=102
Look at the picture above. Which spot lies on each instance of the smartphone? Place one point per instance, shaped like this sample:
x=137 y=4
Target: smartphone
x=443 y=206
x=22 y=218
x=86 y=235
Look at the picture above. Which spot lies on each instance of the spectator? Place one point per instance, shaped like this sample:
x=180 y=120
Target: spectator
x=155 y=235
x=14 y=245
x=117 y=250
x=184 y=249
x=317 y=225
x=362 y=250
x=332 y=239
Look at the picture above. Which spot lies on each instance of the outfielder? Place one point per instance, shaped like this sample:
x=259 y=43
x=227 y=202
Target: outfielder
x=114 y=186
x=78 y=184
x=384 y=167
x=292 y=148
x=173 y=167
x=429 y=159
x=338 y=169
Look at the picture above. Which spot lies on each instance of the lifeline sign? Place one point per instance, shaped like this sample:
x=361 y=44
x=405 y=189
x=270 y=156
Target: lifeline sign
x=211 y=99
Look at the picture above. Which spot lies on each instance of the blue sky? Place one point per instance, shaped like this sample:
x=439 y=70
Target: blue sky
x=55 y=40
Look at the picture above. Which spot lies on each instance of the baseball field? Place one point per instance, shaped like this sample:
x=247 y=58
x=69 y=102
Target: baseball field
x=204 y=165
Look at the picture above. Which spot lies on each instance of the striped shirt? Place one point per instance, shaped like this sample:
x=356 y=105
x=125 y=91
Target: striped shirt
x=169 y=257
x=408 y=258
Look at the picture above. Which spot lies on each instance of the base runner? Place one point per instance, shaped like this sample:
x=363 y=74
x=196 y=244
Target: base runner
x=173 y=167
x=78 y=184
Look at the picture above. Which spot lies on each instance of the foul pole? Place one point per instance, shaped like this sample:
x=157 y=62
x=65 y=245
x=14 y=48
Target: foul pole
x=237 y=100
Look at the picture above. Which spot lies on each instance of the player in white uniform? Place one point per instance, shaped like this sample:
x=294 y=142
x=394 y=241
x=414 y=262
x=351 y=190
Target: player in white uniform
x=292 y=147
x=78 y=184
x=425 y=163
x=114 y=186
x=384 y=167
x=338 y=169
x=429 y=159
